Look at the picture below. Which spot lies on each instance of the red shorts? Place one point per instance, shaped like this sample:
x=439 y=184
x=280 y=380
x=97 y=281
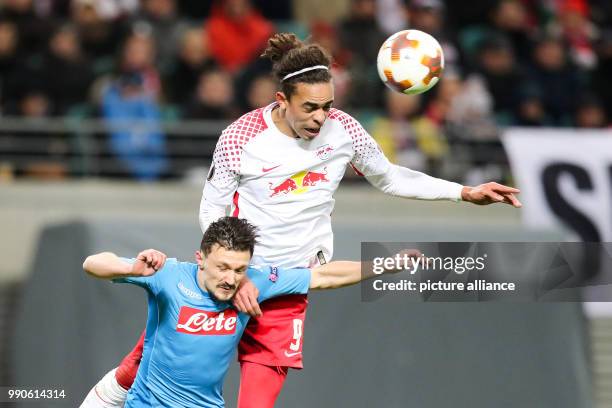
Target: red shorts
x=275 y=339
x=127 y=369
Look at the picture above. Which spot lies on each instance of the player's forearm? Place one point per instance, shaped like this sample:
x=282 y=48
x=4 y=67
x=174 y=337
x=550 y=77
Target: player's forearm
x=216 y=198
x=403 y=182
x=210 y=213
x=338 y=274
x=106 y=265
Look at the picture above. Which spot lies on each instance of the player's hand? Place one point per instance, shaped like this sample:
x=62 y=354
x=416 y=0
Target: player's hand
x=490 y=193
x=148 y=262
x=245 y=300
x=411 y=256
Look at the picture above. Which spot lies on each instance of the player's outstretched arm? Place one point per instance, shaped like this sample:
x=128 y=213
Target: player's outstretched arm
x=403 y=182
x=338 y=274
x=370 y=161
x=335 y=275
x=107 y=265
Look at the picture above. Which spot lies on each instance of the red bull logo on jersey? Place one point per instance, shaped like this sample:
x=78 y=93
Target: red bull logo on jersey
x=285 y=187
x=299 y=183
x=205 y=322
x=312 y=178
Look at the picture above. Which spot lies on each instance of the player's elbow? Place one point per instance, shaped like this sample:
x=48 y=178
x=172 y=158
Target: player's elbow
x=203 y=216
x=383 y=183
x=87 y=265
x=91 y=264
x=389 y=189
x=209 y=213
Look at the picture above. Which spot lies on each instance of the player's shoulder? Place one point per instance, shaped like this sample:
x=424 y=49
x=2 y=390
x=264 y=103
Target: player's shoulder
x=243 y=129
x=347 y=122
x=341 y=117
x=268 y=274
x=263 y=276
x=258 y=273
x=174 y=267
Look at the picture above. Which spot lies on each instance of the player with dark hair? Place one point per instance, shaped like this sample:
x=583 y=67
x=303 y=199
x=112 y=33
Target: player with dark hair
x=192 y=329
x=278 y=167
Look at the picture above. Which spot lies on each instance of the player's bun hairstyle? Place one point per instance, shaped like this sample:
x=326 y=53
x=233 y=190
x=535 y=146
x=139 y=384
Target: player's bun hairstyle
x=288 y=54
x=233 y=234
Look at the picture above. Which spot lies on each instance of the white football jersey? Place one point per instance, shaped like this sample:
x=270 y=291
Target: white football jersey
x=285 y=185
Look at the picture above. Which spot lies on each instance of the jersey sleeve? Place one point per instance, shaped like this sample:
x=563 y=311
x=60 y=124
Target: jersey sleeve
x=153 y=283
x=221 y=183
x=368 y=159
x=224 y=175
x=272 y=282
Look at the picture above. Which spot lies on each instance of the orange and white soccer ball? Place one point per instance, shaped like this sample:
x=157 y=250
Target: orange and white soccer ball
x=410 y=62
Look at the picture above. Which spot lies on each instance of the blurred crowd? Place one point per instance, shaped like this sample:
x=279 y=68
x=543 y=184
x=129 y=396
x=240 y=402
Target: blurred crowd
x=508 y=62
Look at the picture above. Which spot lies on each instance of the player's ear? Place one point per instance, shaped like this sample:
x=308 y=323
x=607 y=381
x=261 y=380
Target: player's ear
x=199 y=256
x=281 y=99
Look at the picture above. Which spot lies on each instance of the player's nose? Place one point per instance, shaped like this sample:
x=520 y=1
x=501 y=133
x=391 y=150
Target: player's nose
x=319 y=117
x=230 y=279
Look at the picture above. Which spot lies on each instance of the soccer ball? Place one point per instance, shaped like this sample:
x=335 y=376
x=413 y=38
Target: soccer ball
x=410 y=62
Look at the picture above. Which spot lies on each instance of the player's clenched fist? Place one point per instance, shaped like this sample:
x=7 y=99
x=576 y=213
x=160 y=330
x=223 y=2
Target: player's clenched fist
x=148 y=262
x=107 y=265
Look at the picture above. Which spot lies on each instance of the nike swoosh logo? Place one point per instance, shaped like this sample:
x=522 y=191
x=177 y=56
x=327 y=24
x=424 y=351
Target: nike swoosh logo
x=292 y=354
x=269 y=169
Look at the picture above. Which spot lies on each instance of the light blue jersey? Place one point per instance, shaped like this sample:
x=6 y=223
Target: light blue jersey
x=190 y=337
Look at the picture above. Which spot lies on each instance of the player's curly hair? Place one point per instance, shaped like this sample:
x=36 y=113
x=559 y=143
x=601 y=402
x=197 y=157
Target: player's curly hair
x=231 y=233
x=288 y=54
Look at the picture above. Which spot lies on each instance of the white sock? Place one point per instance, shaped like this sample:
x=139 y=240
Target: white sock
x=107 y=393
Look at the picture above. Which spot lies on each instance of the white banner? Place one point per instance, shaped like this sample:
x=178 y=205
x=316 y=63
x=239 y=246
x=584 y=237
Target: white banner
x=565 y=177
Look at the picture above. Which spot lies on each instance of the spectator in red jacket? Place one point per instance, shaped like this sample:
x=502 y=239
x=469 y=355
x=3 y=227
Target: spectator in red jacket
x=237 y=33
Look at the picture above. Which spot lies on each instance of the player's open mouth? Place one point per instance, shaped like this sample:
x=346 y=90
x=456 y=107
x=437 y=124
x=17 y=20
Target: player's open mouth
x=312 y=131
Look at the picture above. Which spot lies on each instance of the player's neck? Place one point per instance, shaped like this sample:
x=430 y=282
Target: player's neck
x=281 y=123
x=200 y=280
